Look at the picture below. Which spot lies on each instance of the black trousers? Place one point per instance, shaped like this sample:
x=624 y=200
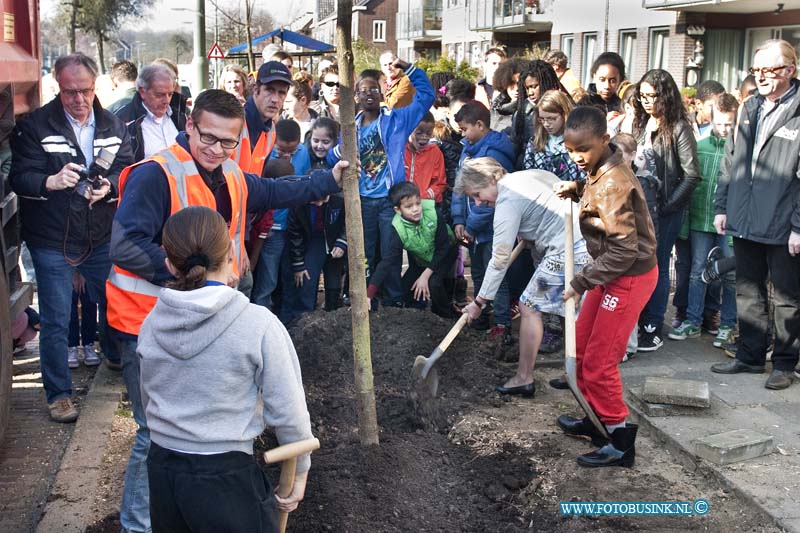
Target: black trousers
x=755 y=264
x=218 y=493
x=441 y=299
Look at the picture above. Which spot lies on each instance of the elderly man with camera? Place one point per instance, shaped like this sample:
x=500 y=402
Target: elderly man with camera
x=67 y=157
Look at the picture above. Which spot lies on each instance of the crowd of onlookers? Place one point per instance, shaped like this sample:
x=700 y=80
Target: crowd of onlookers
x=259 y=160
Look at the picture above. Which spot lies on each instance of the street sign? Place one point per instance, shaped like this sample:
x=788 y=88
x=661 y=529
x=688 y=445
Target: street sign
x=216 y=52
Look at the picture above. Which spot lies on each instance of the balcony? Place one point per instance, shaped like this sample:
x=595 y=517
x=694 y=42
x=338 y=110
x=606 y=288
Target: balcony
x=420 y=20
x=510 y=15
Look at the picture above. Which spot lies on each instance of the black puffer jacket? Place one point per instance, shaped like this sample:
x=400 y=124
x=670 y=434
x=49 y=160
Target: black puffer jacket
x=298 y=230
x=451 y=148
x=42 y=143
x=762 y=206
x=677 y=168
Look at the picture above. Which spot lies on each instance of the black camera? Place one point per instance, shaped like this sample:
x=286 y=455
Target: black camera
x=91 y=178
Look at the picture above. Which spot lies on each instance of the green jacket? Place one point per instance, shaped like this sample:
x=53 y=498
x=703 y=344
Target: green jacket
x=419 y=239
x=710 y=153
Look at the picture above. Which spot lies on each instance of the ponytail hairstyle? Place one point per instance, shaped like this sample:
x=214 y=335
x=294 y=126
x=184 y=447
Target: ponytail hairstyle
x=197 y=242
x=550 y=102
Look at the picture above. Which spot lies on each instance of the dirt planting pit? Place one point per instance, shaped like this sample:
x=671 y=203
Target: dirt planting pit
x=482 y=463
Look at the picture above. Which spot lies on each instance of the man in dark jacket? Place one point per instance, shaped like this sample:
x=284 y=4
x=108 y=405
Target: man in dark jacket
x=64 y=230
x=153 y=117
x=758 y=203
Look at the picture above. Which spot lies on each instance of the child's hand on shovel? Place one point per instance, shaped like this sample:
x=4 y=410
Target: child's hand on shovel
x=290 y=503
x=571 y=293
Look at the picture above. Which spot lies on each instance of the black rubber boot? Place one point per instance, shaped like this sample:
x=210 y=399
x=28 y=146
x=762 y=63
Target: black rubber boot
x=578 y=427
x=619 y=452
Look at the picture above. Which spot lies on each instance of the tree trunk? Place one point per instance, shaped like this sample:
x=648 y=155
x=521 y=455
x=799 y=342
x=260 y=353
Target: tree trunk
x=73 y=24
x=362 y=359
x=101 y=60
x=248 y=15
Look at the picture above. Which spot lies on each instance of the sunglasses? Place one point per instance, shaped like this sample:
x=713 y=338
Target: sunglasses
x=331 y=83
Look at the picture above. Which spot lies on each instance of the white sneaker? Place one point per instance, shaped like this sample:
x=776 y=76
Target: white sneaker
x=72 y=357
x=90 y=357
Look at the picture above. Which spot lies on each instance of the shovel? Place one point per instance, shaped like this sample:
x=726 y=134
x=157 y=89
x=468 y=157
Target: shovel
x=570 y=351
x=287 y=455
x=423 y=372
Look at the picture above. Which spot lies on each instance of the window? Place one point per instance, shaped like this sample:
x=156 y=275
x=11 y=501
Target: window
x=659 y=48
x=627 y=49
x=566 y=45
x=379 y=31
x=589 y=53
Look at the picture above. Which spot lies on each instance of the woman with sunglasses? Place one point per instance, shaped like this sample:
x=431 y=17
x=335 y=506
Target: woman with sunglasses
x=666 y=141
x=328 y=103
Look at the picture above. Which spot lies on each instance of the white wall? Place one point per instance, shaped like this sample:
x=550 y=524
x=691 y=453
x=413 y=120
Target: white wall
x=455 y=26
x=577 y=16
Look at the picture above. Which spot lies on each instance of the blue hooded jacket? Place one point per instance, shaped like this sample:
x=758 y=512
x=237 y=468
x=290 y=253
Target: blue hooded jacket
x=395 y=125
x=478 y=219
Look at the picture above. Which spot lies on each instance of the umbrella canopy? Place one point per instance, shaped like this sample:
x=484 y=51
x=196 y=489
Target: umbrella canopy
x=286 y=35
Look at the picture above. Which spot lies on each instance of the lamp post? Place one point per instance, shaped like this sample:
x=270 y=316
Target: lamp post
x=199 y=59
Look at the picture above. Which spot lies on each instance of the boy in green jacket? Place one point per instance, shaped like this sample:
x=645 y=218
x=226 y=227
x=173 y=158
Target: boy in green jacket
x=420 y=230
x=703 y=236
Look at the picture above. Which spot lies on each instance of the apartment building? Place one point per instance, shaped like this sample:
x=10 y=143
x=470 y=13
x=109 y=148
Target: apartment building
x=374 y=22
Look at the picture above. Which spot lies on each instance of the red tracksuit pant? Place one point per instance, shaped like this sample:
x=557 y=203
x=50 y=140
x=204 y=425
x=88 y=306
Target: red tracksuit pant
x=608 y=314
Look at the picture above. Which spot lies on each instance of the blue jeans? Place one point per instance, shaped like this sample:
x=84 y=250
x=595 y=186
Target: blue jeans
x=265 y=277
x=82 y=329
x=134 y=512
x=303 y=299
x=702 y=243
x=669 y=226
x=480 y=255
x=54 y=284
x=377 y=215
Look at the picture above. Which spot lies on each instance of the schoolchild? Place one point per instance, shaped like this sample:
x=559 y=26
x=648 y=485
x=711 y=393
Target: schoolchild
x=619 y=234
x=200 y=465
x=545 y=151
x=424 y=161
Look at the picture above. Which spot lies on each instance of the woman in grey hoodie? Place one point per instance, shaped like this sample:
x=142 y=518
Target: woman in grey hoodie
x=215 y=370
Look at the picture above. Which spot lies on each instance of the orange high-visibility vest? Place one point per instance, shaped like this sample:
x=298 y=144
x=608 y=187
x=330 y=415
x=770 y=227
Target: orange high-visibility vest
x=131 y=297
x=252 y=159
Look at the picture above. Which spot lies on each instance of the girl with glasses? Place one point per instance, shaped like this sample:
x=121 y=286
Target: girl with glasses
x=546 y=149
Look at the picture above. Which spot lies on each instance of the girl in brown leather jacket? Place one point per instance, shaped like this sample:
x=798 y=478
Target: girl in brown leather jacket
x=616 y=225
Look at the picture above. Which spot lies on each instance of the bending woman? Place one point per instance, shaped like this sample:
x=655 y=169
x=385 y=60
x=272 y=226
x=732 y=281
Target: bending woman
x=525 y=207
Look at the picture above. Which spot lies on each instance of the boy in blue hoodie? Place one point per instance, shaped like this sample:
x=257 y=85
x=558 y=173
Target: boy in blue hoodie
x=273 y=257
x=473 y=224
x=382 y=164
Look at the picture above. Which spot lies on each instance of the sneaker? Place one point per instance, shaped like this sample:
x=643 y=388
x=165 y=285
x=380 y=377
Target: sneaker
x=649 y=339
x=710 y=274
x=628 y=356
x=90 y=357
x=724 y=336
x=731 y=348
x=686 y=330
x=115 y=366
x=551 y=342
x=72 y=357
x=63 y=410
x=680 y=318
x=797 y=373
x=711 y=322
x=497 y=332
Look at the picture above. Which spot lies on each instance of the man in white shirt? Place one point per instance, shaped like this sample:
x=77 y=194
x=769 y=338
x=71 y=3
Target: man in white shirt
x=152 y=123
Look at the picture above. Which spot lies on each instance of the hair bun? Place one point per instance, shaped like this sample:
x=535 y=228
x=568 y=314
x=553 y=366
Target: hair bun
x=197 y=259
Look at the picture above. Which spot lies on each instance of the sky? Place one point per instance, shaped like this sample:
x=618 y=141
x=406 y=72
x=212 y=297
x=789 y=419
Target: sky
x=166 y=18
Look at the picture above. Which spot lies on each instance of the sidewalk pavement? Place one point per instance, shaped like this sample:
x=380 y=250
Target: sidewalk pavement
x=69 y=507
x=740 y=401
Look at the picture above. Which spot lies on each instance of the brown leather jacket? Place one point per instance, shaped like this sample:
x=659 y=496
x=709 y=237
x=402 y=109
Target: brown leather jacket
x=616 y=225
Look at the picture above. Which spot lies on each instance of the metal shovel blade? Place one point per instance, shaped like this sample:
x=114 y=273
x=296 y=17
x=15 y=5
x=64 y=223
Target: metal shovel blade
x=425 y=376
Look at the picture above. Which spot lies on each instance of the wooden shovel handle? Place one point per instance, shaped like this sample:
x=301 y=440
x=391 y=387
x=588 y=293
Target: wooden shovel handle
x=569 y=273
x=287 y=456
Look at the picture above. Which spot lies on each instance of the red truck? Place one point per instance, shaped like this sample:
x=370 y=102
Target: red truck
x=20 y=80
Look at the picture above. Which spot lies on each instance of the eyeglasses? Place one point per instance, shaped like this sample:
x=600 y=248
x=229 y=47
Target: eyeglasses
x=543 y=120
x=72 y=93
x=768 y=72
x=371 y=90
x=211 y=140
x=645 y=97
x=331 y=83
